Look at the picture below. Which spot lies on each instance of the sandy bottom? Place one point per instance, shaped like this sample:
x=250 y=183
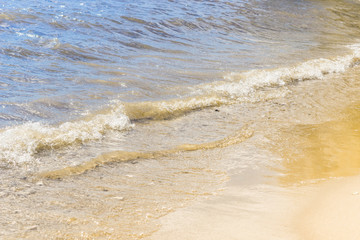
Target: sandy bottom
x=312 y=197
x=194 y=177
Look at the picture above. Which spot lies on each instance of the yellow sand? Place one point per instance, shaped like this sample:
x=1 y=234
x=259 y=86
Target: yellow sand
x=317 y=196
x=326 y=211
x=331 y=211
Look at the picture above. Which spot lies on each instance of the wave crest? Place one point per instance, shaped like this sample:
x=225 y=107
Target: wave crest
x=240 y=84
x=20 y=143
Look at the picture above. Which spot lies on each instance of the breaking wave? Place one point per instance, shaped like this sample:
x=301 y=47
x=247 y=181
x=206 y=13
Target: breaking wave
x=243 y=84
x=21 y=143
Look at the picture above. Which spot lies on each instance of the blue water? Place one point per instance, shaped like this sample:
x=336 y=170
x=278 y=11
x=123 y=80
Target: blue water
x=62 y=58
x=138 y=107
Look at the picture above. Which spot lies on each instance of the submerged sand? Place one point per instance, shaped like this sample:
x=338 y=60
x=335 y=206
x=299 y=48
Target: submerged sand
x=312 y=198
x=287 y=178
x=312 y=193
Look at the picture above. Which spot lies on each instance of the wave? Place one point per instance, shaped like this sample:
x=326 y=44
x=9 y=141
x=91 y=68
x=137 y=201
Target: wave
x=124 y=156
x=243 y=84
x=21 y=143
x=162 y=110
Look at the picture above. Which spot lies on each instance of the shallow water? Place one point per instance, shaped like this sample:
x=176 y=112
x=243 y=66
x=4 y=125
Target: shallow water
x=116 y=113
x=322 y=150
x=72 y=72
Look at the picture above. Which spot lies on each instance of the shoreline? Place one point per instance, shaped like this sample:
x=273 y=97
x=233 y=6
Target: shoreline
x=265 y=176
x=312 y=194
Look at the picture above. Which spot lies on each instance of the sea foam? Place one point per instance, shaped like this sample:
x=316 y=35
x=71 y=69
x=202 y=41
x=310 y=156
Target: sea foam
x=20 y=143
x=237 y=85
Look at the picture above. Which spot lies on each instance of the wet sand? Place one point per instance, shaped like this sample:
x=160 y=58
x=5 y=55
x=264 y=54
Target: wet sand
x=202 y=120
x=312 y=194
x=258 y=211
x=323 y=211
x=271 y=180
x=331 y=211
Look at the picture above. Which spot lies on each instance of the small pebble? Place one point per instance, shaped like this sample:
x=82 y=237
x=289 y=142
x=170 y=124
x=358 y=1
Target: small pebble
x=40 y=183
x=32 y=227
x=30 y=192
x=119 y=198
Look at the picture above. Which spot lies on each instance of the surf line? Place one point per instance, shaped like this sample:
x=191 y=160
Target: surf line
x=124 y=156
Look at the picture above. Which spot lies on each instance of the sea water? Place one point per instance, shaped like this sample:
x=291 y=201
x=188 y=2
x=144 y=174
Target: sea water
x=114 y=113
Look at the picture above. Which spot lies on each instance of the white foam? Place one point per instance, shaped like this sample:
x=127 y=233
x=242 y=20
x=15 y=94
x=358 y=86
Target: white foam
x=20 y=143
x=240 y=84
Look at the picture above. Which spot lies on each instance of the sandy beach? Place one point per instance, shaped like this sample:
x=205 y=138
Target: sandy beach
x=162 y=120
x=313 y=195
x=323 y=211
x=331 y=211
